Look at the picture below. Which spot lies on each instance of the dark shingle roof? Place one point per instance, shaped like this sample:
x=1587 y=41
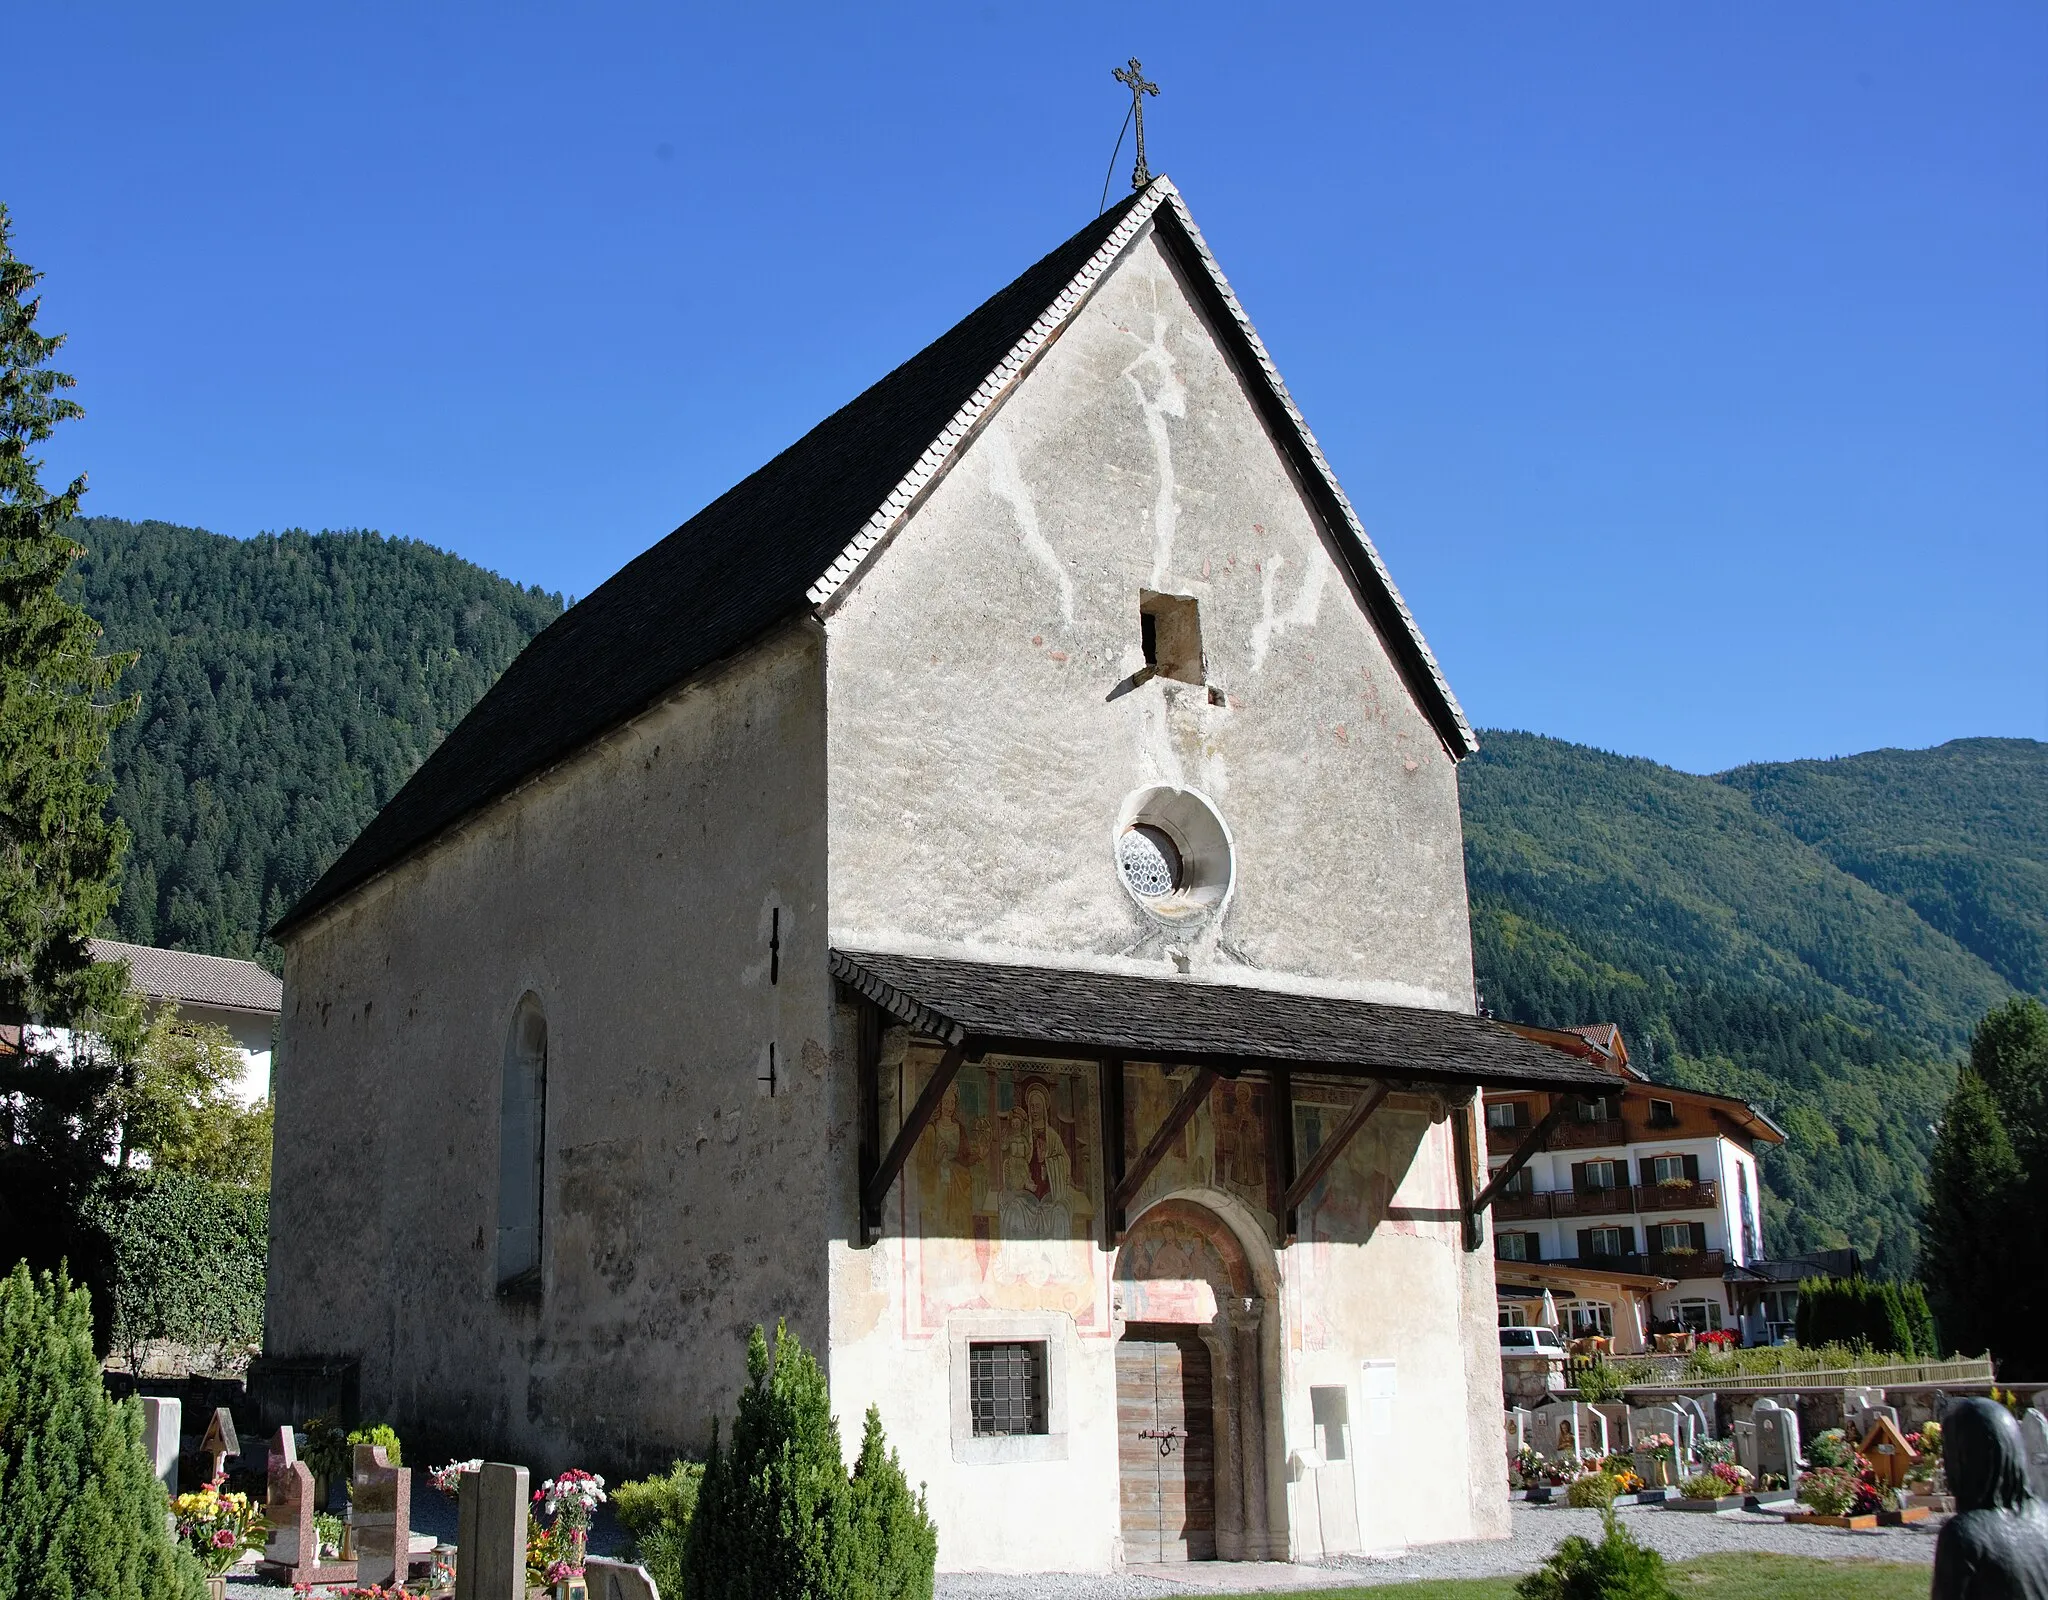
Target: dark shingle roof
x=788 y=537
x=1182 y=1020
x=739 y=566
x=194 y=979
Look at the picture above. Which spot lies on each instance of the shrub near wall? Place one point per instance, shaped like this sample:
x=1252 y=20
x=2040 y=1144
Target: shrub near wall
x=189 y=1258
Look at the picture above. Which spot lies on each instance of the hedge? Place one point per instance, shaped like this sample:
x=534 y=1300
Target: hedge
x=1866 y=1311
x=189 y=1260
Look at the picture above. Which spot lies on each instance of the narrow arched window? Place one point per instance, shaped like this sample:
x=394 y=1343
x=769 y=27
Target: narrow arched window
x=522 y=1116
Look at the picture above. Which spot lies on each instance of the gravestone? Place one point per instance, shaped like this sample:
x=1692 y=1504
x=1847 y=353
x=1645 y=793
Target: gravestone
x=618 y=1580
x=490 y=1554
x=1745 y=1445
x=1697 y=1427
x=161 y=1420
x=382 y=1497
x=1619 y=1436
x=292 y=1551
x=1517 y=1423
x=220 y=1441
x=1885 y=1448
x=1562 y=1426
x=1777 y=1442
x=2034 y=1441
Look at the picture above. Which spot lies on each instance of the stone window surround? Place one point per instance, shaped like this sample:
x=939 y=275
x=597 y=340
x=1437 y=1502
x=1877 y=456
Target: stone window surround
x=1053 y=1329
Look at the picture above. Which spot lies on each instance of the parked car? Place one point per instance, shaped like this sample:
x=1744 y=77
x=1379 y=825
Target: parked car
x=1530 y=1342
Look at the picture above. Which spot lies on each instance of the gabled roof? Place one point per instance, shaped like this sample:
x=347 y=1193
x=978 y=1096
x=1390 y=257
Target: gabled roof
x=1190 y=1022
x=195 y=980
x=788 y=540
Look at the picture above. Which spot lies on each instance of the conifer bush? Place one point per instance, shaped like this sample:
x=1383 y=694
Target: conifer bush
x=80 y=1512
x=1616 y=1568
x=656 y=1512
x=777 y=1515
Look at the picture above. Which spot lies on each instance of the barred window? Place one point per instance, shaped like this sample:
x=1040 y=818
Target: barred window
x=1006 y=1388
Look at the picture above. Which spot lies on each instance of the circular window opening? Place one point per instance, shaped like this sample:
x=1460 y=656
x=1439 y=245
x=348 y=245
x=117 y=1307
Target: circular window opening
x=1173 y=853
x=1150 y=861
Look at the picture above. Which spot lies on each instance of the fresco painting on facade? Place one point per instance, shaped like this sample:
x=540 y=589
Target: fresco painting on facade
x=1223 y=1145
x=1002 y=1202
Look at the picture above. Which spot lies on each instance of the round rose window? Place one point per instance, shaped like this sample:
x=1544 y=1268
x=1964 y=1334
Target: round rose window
x=1150 y=861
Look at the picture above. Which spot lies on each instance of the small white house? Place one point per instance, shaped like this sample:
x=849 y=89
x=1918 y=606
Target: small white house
x=237 y=995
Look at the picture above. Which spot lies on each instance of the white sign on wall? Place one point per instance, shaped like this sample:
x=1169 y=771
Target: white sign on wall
x=1379 y=1399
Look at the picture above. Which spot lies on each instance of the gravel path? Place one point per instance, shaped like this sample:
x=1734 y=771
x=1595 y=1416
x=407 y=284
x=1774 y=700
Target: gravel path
x=1537 y=1529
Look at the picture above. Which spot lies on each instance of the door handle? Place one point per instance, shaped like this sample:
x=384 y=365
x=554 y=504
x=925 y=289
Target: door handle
x=1165 y=1436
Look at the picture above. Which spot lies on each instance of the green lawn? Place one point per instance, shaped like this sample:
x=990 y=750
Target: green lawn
x=1739 y=1575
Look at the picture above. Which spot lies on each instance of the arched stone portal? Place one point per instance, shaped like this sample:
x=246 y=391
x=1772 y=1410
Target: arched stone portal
x=1197 y=1381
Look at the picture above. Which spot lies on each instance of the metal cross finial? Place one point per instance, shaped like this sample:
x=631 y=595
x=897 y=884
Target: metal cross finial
x=1134 y=77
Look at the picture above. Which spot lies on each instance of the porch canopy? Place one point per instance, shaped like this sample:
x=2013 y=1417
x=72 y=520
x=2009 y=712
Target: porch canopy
x=1221 y=1030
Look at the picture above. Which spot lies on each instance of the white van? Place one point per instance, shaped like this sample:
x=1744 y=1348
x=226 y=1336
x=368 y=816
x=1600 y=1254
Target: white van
x=1530 y=1342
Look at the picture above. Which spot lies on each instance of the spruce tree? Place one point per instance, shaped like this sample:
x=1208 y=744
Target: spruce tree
x=81 y=1514
x=60 y=852
x=1975 y=1196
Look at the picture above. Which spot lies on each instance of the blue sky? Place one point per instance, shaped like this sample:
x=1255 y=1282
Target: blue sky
x=1689 y=365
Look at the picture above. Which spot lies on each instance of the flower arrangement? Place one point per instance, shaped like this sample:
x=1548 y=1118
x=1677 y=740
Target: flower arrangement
x=1718 y=1481
x=1525 y=1468
x=568 y=1502
x=1831 y=1449
x=1831 y=1491
x=1621 y=1467
x=448 y=1479
x=1719 y=1339
x=217 y=1527
x=327 y=1529
x=1713 y=1452
x=1657 y=1446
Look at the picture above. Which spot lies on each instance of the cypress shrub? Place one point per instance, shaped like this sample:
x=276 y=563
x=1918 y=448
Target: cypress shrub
x=81 y=1515
x=777 y=1517
x=656 y=1512
x=1883 y=1317
x=1617 y=1568
x=895 y=1545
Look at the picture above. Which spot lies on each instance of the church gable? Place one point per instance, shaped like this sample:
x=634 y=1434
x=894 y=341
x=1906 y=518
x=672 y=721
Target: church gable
x=1123 y=584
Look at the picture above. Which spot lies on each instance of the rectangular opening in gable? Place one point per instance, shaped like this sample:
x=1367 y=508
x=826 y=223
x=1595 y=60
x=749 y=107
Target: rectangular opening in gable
x=1170 y=629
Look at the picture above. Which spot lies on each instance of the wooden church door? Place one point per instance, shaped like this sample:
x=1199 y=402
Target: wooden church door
x=1166 y=1444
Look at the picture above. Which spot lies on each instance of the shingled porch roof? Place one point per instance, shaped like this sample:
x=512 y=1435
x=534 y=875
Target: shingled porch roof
x=1187 y=1022
x=788 y=540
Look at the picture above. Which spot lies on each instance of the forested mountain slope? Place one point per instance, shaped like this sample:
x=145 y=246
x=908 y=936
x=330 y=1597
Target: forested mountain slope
x=289 y=684
x=1959 y=833
x=1739 y=956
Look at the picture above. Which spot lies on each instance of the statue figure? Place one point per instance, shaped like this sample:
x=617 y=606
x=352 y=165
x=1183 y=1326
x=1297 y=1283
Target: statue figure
x=1996 y=1545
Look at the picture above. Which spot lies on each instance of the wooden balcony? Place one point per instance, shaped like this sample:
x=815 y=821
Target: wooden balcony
x=1571 y=1135
x=1622 y=1200
x=1686 y=1264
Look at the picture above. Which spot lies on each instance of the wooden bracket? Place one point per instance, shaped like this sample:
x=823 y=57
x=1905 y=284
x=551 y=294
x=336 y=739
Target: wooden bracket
x=1280 y=1149
x=1154 y=1152
x=868 y=1106
x=1112 y=1117
x=1331 y=1148
x=876 y=1189
x=1514 y=1164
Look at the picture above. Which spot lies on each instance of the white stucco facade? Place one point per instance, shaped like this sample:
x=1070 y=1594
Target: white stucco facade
x=936 y=762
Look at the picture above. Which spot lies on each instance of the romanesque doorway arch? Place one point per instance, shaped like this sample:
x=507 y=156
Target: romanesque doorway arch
x=1194 y=1353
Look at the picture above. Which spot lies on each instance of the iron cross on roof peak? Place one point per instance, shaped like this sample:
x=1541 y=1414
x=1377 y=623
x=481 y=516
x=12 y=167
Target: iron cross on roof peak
x=1133 y=76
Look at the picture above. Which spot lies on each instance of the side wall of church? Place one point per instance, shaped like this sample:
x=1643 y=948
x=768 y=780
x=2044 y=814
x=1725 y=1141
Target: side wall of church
x=635 y=893
x=988 y=725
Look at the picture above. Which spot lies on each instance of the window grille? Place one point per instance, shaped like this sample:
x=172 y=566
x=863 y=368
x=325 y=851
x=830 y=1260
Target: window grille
x=1006 y=1388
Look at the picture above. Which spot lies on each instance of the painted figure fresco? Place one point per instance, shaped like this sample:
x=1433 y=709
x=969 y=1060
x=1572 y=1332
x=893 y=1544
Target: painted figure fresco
x=1002 y=1197
x=1223 y=1145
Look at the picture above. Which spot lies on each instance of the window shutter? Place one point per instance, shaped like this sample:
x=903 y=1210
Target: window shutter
x=1648 y=1168
x=1692 y=1169
x=1534 y=1246
x=1585 y=1242
x=1699 y=1231
x=1579 y=1176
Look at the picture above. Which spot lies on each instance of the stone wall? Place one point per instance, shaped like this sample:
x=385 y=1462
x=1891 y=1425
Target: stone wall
x=634 y=891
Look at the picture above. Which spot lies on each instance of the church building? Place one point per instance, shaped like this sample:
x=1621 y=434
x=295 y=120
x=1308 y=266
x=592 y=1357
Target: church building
x=988 y=889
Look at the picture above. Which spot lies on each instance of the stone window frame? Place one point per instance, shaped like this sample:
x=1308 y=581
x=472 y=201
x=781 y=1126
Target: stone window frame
x=1052 y=1329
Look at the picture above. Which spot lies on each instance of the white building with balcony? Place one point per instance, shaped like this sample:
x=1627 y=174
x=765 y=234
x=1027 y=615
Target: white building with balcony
x=1633 y=1208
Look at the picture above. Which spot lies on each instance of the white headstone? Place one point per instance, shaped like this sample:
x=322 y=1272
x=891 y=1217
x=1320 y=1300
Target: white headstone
x=1777 y=1441
x=161 y=1419
x=2034 y=1441
x=1564 y=1426
x=1616 y=1413
x=1517 y=1421
x=618 y=1580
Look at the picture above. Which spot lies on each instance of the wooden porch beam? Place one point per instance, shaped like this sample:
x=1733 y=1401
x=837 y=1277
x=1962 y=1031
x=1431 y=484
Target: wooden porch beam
x=876 y=1190
x=1154 y=1152
x=868 y=1101
x=1280 y=1150
x=1112 y=1119
x=1331 y=1148
x=1524 y=1152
